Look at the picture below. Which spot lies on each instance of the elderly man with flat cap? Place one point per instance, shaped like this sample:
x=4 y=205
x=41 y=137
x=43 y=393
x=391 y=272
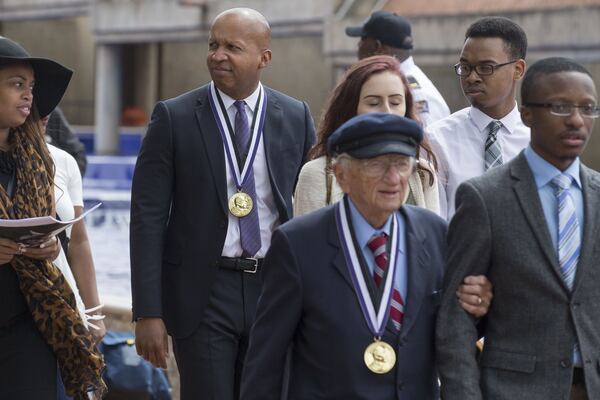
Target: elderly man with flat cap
x=391 y=34
x=354 y=286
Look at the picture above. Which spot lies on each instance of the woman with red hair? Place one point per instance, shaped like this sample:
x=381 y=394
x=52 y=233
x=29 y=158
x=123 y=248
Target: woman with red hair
x=374 y=84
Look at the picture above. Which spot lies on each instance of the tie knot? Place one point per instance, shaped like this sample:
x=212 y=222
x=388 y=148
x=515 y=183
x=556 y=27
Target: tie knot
x=562 y=181
x=494 y=127
x=239 y=105
x=377 y=241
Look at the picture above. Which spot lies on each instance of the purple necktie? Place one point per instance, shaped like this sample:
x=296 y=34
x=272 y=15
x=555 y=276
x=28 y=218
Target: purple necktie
x=249 y=225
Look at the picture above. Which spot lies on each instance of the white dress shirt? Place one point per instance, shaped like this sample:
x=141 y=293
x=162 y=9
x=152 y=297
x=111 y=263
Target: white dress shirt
x=267 y=211
x=459 y=145
x=68 y=193
x=427 y=98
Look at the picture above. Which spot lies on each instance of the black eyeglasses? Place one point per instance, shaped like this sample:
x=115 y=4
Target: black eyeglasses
x=566 y=110
x=464 y=69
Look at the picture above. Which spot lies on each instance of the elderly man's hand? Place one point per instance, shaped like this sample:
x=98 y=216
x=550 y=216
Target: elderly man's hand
x=475 y=295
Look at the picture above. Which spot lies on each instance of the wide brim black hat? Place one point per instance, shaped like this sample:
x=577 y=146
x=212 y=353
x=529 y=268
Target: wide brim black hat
x=51 y=78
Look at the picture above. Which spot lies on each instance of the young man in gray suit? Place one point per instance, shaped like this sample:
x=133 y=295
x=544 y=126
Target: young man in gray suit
x=531 y=226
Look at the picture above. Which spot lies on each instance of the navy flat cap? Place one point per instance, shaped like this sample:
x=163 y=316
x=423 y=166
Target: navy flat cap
x=373 y=134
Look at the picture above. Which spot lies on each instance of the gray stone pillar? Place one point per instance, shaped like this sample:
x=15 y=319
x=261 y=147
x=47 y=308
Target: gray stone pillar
x=147 y=76
x=108 y=98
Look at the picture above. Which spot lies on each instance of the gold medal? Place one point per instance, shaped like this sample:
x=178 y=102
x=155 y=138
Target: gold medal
x=380 y=357
x=240 y=204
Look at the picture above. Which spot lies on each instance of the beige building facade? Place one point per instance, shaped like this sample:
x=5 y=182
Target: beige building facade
x=127 y=54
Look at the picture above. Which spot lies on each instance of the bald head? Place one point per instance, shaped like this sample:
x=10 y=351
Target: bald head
x=238 y=50
x=255 y=22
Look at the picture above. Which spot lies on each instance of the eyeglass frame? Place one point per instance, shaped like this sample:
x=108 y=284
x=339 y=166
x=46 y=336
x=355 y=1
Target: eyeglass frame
x=474 y=68
x=572 y=108
x=364 y=164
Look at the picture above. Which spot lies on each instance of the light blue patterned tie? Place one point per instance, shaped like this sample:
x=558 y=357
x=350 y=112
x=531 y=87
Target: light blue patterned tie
x=493 y=151
x=249 y=225
x=569 y=241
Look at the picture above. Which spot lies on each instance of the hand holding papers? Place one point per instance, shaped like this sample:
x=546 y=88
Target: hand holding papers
x=35 y=231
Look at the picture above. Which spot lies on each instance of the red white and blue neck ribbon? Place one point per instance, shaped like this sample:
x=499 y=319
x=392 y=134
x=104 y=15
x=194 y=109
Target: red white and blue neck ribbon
x=376 y=319
x=220 y=113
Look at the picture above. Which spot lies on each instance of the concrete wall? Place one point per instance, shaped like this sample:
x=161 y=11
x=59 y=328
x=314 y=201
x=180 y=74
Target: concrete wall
x=127 y=21
x=41 y=9
x=298 y=69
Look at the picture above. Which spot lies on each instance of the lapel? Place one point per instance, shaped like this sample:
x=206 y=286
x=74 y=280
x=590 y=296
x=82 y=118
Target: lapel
x=416 y=271
x=273 y=138
x=591 y=201
x=213 y=144
x=527 y=194
x=339 y=260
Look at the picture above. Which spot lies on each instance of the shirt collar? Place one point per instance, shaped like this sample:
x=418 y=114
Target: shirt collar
x=363 y=231
x=406 y=65
x=250 y=100
x=482 y=120
x=544 y=172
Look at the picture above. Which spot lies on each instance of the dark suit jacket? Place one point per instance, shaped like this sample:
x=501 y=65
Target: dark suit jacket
x=179 y=200
x=62 y=136
x=500 y=230
x=308 y=299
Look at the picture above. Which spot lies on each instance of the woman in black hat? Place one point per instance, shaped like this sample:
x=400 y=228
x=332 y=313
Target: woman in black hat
x=39 y=322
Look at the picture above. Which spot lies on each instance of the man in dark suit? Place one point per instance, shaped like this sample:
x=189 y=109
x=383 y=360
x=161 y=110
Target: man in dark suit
x=353 y=284
x=214 y=177
x=532 y=227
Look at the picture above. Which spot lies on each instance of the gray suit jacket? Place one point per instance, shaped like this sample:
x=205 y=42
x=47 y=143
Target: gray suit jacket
x=534 y=321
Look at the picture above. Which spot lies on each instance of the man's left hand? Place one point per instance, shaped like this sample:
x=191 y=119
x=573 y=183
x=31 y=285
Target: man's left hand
x=475 y=295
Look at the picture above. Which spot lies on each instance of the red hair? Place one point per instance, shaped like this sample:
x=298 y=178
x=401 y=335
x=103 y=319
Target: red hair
x=343 y=102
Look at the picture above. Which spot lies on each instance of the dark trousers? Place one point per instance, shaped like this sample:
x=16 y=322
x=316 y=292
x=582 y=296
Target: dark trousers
x=210 y=361
x=27 y=364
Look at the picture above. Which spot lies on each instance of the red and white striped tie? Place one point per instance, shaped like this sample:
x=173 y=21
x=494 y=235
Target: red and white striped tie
x=377 y=245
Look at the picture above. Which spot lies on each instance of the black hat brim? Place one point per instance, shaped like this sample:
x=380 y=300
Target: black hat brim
x=355 y=31
x=51 y=81
x=379 y=148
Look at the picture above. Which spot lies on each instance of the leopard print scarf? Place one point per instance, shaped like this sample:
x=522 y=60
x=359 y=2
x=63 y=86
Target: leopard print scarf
x=48 y=295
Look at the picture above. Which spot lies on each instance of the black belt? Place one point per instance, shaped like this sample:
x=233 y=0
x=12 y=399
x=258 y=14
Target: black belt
x=578 y=376
x=249 y=265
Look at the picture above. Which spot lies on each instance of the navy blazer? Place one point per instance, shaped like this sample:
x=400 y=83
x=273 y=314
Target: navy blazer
x=179 y=200
x=308 y=300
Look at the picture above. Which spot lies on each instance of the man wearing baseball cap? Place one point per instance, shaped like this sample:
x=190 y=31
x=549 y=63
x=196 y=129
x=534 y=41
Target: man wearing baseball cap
x=354 y=286
x=390 y=34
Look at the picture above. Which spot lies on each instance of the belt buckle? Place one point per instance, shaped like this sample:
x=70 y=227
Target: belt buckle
x=252 y=271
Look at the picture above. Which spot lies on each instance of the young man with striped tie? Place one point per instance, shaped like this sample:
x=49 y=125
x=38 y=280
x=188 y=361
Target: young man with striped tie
x=355 y=286
x=489 y=132
x=531 y=226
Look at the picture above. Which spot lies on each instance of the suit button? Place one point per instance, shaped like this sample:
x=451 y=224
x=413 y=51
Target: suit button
x=565 y=363
x=400 y=386
x=223 y=224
